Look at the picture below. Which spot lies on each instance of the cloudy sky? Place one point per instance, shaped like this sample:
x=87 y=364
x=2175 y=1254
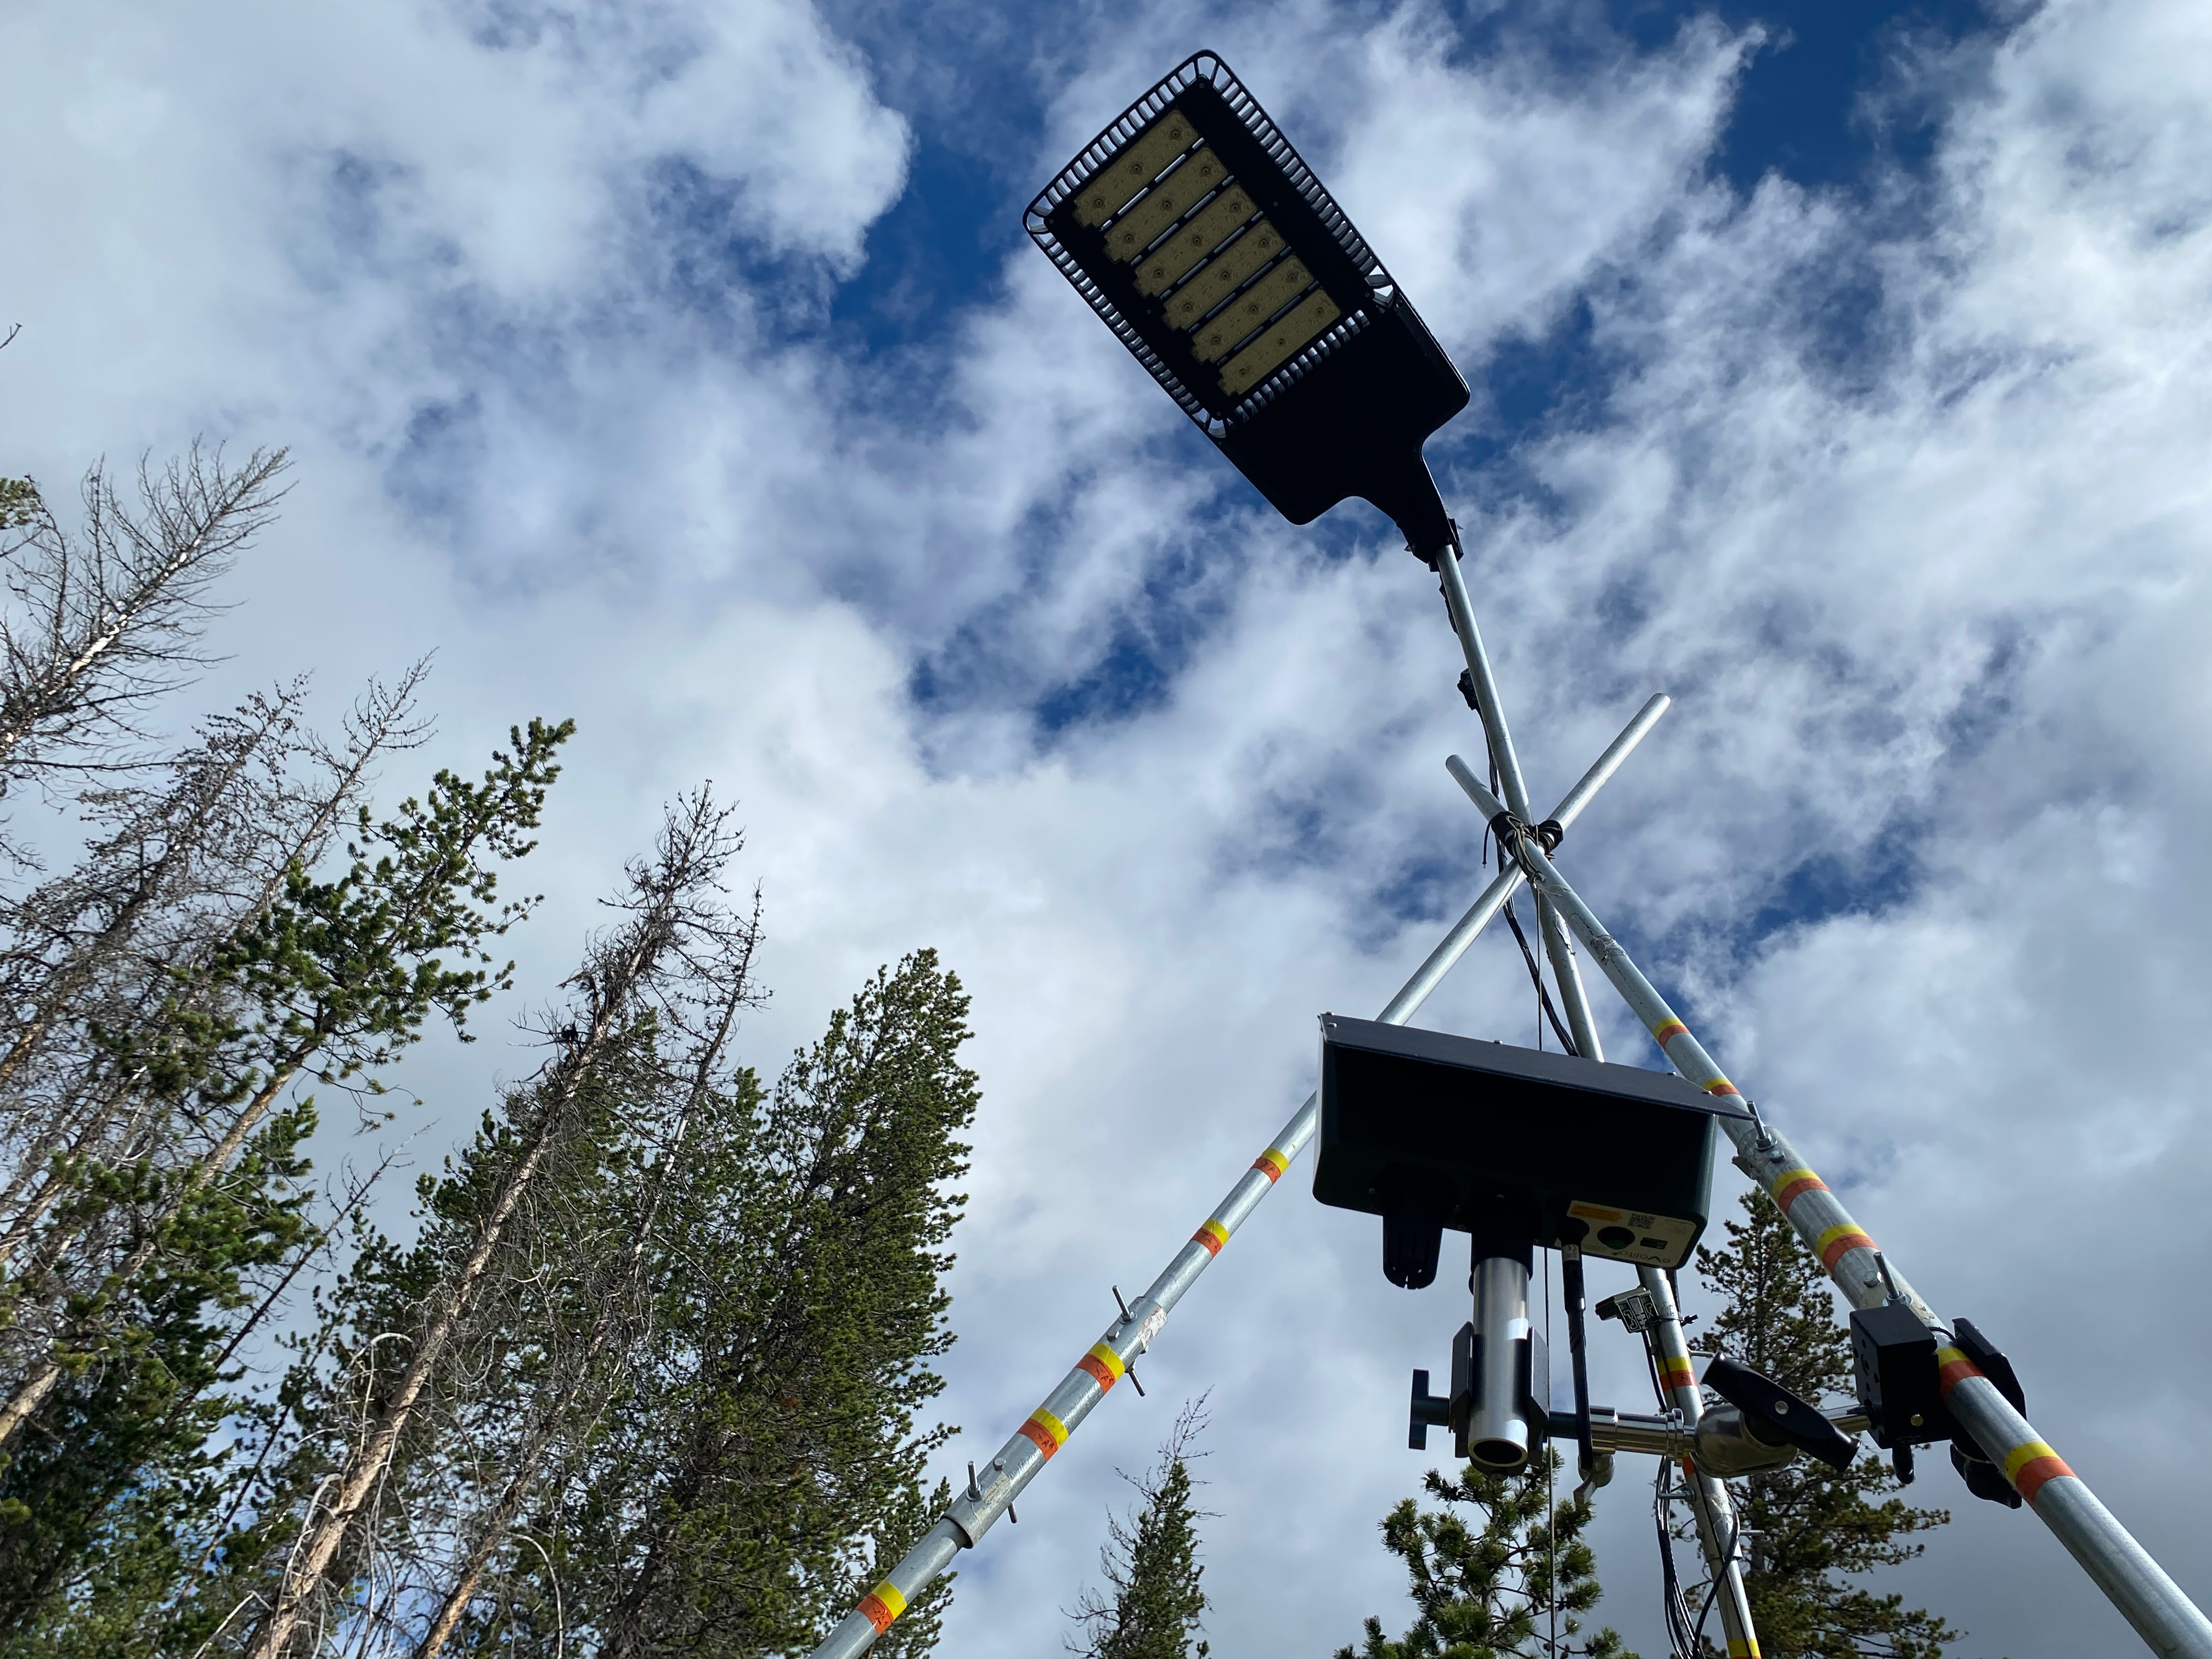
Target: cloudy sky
x=1841 y=371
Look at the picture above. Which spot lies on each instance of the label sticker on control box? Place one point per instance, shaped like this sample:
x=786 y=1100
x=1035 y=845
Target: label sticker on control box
x=1637 y=1235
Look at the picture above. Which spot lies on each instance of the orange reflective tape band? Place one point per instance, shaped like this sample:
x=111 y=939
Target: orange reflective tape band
x=883 y=1604
x=1103 y=1364
x=1952 y=1368
x=1213 y=1236
x=2029 y=1465
x=1044 y=1431
x=1837 y=1241
x=1668 y=1030
x=1791 y=1182
x=1719 y=1085
x=1677 y=1374
x=1273 y=1162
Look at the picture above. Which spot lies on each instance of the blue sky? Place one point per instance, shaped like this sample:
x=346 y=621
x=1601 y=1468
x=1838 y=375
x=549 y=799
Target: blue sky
x=1839 y=370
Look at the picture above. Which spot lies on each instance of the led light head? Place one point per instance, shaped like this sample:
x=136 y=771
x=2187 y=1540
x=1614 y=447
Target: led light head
x=1199 y=236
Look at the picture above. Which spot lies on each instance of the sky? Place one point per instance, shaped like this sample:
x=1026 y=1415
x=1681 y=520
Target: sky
x=1839 y=370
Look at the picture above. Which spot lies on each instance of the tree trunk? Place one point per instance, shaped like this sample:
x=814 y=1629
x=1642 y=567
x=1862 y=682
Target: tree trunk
x=326 y=1529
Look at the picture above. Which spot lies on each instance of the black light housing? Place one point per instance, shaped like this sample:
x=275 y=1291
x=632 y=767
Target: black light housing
x=1200 y=235
x=1431 y=1132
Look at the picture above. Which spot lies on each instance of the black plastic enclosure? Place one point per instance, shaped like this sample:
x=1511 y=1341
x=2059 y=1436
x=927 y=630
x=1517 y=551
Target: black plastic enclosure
x=1893 y=1363
x=1428 y=1130
x=1345 y=412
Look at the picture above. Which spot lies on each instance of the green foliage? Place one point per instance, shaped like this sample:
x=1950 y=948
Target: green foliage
x=1489 y=1587
x=19 y=503
x=121 y=1483
x=1816 y=1531
x=1151 y=1562
x=344 y=974
x=110 y=1499
x=805 y=1304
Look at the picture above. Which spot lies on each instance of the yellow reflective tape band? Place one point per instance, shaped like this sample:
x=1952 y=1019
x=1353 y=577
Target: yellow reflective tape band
x=881 y=1605
x=1052 y=1425
x=2022 y=1454
x=1790 y=1183
x=1747 y=1648
x=1213 y=1236
x=1668 y=1030
x=1106 y=1357
x=1677 y=1374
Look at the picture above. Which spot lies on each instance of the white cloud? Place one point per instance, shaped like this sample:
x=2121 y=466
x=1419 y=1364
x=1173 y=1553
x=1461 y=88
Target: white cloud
x=1931 y=596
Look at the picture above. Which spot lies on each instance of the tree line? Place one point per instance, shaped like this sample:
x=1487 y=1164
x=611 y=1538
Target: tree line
x=645 y=1373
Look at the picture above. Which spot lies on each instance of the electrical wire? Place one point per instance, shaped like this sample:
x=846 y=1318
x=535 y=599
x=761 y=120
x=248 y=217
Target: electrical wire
x=1536 y=975
x=1677 y=1608
x=1551 y=1476
x=1713 y=1593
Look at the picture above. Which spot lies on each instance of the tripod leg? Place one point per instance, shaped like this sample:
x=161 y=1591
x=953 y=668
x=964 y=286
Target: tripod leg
x=2134 y=1582
x=1709 y=1498
x=992 y=1494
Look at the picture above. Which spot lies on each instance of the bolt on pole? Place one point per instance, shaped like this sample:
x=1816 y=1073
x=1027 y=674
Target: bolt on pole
x=2135 y=1583
x=991 y=1492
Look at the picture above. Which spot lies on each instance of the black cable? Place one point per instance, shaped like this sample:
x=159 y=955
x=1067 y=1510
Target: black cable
x=1572 y=1292
x=1678 y=1610
x=1536 y=974
x=1713 y=1595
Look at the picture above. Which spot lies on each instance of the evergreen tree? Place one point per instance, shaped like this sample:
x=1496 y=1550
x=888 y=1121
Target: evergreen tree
x=171 y=1241
x=366 y=1423
x=762 y=1464
x=1497 y=1588
x=1151 y=1562
x=1814 y=1531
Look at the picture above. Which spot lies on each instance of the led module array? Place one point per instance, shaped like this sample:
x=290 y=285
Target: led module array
x=1196 y=232
x=1219 y=271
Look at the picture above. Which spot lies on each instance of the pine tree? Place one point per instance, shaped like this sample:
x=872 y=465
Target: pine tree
x=1494 y=1591
x=761 y=1464
x=1151 y=1562
x=1814 y=1531
x=105 y=620
x=383 y=1402
x=172 y=1240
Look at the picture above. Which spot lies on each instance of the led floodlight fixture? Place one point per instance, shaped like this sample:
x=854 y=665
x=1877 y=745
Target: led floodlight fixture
x=1197 y=233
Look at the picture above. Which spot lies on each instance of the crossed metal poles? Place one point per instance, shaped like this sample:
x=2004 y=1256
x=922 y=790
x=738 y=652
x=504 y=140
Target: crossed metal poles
x=991 y=1492
x=2121 y=1567
x=2135 y=1583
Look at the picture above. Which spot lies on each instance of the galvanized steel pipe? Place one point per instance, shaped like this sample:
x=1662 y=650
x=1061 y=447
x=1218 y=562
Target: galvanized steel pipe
x=2135 y=1583
x=1020 y=1461
x=1710 y=1503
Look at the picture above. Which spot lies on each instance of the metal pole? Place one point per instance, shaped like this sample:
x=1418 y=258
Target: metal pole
x=1709 y=1498
x=1556 y=938
x=1480 y=677
x=992 y=1492
x=1560 y=949
x=2135 y=1583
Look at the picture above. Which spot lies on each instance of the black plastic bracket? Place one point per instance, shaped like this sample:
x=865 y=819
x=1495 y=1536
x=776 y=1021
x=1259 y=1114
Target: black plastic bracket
x=1780 y=1417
